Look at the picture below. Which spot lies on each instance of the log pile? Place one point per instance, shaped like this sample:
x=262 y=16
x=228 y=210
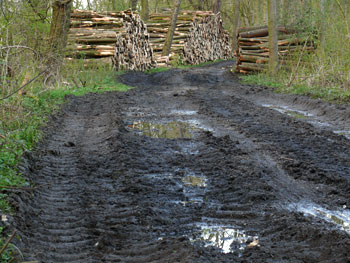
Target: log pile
x=93 y=35
x=123 y=38
x=207 y=41
x=253 y=47
x=132 y=48
x=120 y=37
x=190 y=25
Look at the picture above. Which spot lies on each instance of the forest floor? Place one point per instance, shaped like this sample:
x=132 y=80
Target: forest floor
x=190 y=166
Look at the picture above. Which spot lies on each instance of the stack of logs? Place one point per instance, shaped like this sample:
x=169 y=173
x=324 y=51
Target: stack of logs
x=132 y=45
x=132 y=48
x=191 y=33
x=207 y=41
x=93 y=36
x=253 y=47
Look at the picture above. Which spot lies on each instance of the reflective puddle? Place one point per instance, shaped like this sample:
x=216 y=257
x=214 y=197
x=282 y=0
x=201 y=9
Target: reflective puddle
x=298 y=114
x=194 y=181
x=291 y=112
x=170 y=130
x=183 y=112
x=340 y=218
x=346 y=134
x=226 y=238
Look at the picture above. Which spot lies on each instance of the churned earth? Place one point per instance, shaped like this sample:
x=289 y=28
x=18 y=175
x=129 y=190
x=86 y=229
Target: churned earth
x=190 y=166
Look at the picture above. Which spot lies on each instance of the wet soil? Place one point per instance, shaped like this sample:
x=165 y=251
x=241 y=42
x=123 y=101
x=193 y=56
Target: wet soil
x=190 y=166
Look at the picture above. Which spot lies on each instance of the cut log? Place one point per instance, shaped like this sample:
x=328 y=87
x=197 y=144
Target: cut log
x=253 y=48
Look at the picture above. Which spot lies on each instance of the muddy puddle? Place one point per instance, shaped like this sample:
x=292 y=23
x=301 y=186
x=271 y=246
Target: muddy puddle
x=340 y=218
x=194 y=181
x=308 y=117
x=227 y=238
x=169 y=130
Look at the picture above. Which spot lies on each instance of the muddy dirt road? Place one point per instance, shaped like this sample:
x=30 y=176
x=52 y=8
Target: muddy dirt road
x=191 y=166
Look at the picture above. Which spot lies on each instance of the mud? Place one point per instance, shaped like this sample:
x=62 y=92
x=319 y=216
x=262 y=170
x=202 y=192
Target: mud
x=234 y=182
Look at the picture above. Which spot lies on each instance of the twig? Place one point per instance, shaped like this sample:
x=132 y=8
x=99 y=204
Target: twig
x=8 y=242
x=33 y=79
x=19 y=46
x=292 y=78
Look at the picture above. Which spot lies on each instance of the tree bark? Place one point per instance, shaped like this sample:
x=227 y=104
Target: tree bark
x=61 y=11
x=134 y=5
x=235 y=24
x=144 y=10
x=114 y=5
x=273 y=38
x=170 y=34
x=216 y=6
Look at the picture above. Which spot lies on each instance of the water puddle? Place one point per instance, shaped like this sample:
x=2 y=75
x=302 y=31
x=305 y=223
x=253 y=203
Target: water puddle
x=340 y=218
x=199 y=125
x=194 y=181
x=226 y=238
x=346 y=134
x=183 y=112
x=170 y=130
x=298 y=114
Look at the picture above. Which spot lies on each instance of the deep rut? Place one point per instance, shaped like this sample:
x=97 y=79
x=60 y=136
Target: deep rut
x=235 y=183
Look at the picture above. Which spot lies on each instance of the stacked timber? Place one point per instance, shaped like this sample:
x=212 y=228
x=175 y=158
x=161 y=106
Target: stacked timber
x=117 y=37
x=190 y=25
x=253 y=47
x=92 y=35
x=132 y=49
x=207 y=41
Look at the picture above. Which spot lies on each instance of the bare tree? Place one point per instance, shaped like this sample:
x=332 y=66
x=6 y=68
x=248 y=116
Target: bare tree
x=61 y=11
x=170 y=34
x=273 y=38
x=134 y=4
x=216 y=6
x=144 y=10
x=235 y=24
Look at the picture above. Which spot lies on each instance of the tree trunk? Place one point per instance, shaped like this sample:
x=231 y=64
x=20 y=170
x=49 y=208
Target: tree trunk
x=114 y=5
x=273 y=38
x=144 y=10
x=170 y=34
x=61 y=11
x=134 y=5
x=235 y=24
x=216 y=6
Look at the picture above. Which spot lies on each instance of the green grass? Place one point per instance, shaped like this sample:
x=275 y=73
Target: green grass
x=328 y=93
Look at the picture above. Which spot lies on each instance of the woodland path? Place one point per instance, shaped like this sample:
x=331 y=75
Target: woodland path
x=190 y=166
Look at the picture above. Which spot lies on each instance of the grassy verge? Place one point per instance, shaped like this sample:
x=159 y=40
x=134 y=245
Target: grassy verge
x=281 y=83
